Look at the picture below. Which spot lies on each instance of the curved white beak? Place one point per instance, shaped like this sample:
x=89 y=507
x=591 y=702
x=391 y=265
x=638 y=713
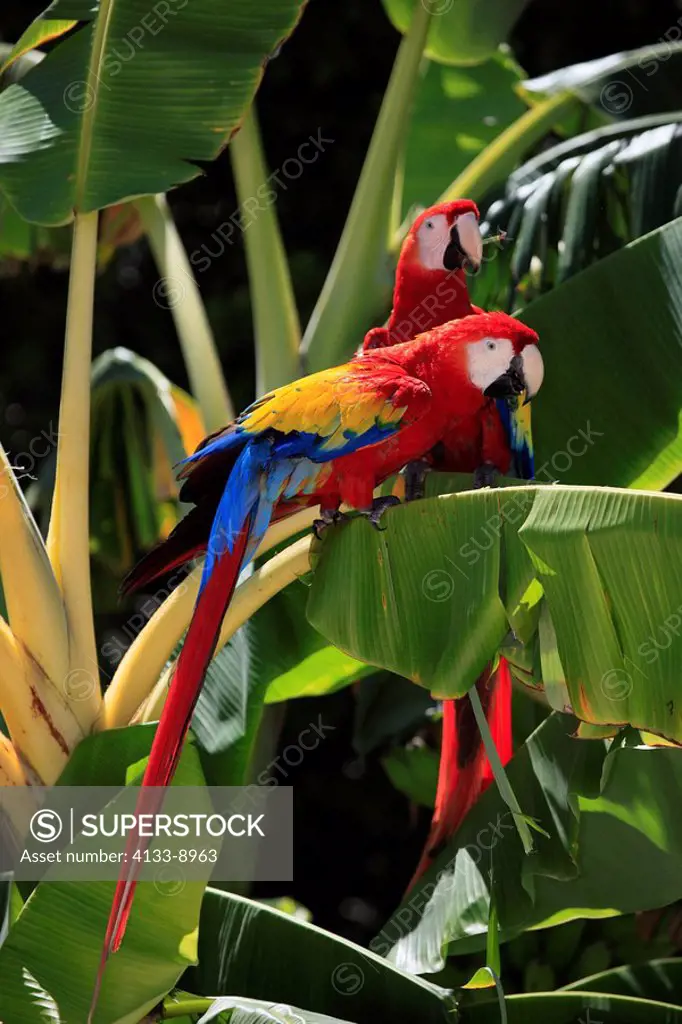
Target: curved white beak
x=533 y=370
x=470 y=239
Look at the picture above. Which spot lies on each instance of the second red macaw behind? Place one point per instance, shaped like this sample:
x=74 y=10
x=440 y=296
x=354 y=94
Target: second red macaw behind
x=430 y=289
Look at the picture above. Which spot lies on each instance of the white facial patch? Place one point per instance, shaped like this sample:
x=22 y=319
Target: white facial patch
x=487 y=360
x=433 y=237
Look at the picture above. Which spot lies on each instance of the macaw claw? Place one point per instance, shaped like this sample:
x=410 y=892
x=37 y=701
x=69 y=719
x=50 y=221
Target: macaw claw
x=328 y=517
x=379 y=506
x=415 y=479
x=485 y=476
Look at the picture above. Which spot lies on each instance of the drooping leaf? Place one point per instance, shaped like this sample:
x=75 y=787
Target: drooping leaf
x=578 y=202
x=566 y=1008
x=238 y=1010
x=433 y=612
x=618 y=635
x=438 y=612
x=628 y=84
x=142 y=427
x=63 y=126
x=245 y=947
x=656 y=979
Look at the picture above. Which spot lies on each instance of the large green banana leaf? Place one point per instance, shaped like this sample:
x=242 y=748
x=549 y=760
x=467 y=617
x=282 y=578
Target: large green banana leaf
x=131 y=99
x=608 y=411
x=462 y=31
x=437 y=611
x=457 y=113
x=246 y=948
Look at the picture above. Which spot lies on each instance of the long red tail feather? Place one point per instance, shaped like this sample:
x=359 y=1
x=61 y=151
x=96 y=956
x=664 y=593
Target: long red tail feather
x=194 y=659
x=465 y=771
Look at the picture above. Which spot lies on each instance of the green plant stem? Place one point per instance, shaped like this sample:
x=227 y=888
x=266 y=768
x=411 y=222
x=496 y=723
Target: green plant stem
x=277 y=331
x=177 y=290
x=503 y=784
x=353 y=286
x=185 y=1008
x=69 y=531
x=499 y=159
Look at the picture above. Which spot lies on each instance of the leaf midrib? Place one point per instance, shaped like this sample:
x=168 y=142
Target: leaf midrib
x=100 y=34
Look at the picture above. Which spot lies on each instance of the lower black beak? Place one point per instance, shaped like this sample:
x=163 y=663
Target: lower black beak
x=508 y=384
x=455 y=256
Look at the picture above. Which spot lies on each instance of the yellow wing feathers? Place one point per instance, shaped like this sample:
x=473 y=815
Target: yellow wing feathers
x=336 y=405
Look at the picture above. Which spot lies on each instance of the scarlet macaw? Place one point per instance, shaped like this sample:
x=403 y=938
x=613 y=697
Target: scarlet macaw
x=325 y=439
x=431 y=289
x=430 y=282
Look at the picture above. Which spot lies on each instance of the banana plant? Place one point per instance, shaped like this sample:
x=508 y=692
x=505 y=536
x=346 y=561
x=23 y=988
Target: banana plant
x=58 y=167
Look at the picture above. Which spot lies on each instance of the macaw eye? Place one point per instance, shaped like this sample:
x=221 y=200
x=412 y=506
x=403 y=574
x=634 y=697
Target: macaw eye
x=429 y=224
x=491 y=346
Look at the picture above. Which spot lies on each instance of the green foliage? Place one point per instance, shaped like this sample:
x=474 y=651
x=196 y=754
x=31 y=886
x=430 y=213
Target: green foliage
x=293 y=956
x=63 y=923
x=464 y=32
x=585 y=578
x=590 y=803
x=457 y=113
x=610 y=341
x=438 y=614
x=71 y=116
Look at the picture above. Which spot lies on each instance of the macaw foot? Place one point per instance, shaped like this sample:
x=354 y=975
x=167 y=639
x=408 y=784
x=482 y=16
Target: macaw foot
x=328 y=517
x=379 y=506
x=415 y=479
x=485 y=476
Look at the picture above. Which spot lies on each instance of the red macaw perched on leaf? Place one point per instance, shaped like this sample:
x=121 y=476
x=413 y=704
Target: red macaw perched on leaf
x=325 y=439
x=431 y=289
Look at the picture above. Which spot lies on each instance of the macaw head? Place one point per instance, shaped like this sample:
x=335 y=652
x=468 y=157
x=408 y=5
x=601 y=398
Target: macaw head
x=501 y=355
x=445 y=237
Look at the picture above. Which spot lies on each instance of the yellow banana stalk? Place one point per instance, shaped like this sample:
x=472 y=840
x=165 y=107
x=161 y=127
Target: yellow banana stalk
x=36 y=689
x=146 y=657
x=136 y=690
x=38 y=716
x=68 y=537
x=267 y=581
x=34 y=602
x=11 y=771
